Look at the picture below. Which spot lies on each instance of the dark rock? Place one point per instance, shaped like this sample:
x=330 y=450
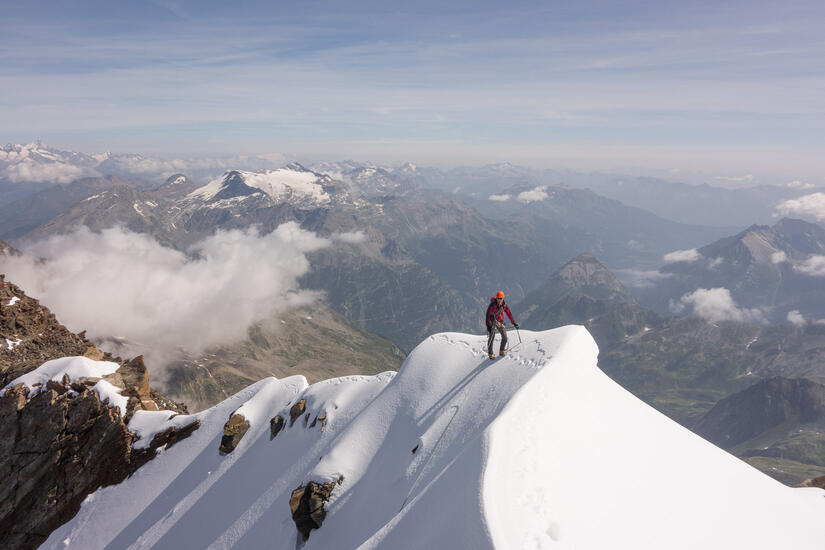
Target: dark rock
x=307 y=505
x=41 y=337
x=296 y=411
x=170 y=436
x=764 y=405
x=233 y=431
x=275 y=426
x=55 y=450
x=814 y=482
x=320 y=418
x=59 y=446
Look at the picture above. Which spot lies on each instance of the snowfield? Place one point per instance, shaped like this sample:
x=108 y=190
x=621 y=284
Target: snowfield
x=280 y=185
x=539 y=449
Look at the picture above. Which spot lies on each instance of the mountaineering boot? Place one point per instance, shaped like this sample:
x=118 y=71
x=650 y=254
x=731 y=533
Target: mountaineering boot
x=492 y=356
x=503 y=352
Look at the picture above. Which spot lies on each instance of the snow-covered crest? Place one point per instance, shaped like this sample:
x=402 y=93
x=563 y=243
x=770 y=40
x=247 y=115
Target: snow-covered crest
x=280 y=185
x=536 y=450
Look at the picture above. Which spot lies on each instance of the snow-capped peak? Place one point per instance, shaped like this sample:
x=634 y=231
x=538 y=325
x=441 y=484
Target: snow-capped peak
x=290 y=183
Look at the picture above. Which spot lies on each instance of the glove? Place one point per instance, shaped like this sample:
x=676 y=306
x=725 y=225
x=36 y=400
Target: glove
x=515 y=325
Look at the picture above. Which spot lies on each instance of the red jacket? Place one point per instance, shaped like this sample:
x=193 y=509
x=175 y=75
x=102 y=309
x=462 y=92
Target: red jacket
x=496 y=313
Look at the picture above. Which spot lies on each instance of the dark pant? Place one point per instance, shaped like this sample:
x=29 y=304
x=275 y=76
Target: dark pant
x=491 y=336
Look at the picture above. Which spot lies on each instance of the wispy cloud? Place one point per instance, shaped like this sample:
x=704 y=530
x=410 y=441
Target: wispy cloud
x=481 y=74
x=688 y=256
x=641 y=278
x=500 y=198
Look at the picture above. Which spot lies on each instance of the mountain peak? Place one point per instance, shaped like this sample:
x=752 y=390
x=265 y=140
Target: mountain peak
x=585 y=273
x=293 y=183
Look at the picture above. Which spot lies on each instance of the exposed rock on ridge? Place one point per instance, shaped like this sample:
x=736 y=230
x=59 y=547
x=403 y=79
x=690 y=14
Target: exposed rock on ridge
x=30 y=335
x=60 y=443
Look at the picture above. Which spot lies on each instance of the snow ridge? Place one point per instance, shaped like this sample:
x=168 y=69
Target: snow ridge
x=538 y=449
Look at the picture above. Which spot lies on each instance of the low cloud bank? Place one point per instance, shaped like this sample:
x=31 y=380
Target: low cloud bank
x=126 y=285
x=716 y=304
x=812 y=205
x=56 y=172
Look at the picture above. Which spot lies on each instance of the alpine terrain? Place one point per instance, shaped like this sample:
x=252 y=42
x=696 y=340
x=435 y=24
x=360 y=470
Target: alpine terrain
x=532 y=451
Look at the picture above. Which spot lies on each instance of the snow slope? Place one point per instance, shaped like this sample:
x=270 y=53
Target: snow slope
x=281 y=185
x=536 y=450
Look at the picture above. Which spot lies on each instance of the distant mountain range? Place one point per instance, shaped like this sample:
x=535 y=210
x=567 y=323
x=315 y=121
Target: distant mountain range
x=416 y=242
x=772 y=270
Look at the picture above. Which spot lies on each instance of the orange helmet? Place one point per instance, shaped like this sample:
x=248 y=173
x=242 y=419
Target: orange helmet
x=499 y=294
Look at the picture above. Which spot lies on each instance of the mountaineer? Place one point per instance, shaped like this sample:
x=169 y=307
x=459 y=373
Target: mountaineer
x=495 y=320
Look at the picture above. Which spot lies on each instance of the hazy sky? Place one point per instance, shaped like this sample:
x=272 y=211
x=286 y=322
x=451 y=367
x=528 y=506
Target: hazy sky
x=721 y=86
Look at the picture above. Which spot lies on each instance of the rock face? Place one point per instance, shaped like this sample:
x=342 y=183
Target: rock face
x=765 y=405
x=54 y=451
x=60 y=444
x=233 y=431
x=57 y=448
x=30 y=335
x=815 y=482
x=585 y=292
x=307 y=505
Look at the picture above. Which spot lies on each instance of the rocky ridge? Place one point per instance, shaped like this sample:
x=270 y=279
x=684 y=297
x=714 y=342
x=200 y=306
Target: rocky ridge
x=61 y=441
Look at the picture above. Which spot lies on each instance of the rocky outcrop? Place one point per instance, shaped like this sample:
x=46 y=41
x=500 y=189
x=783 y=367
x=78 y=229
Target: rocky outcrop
x=296 y=411
x=767 y=404
x=56 y=448
x=30 y=335
x=276 y=424
x=814 y=482
x=307 y=505
x=7 y=249
x=233 y=431
x=59 y=443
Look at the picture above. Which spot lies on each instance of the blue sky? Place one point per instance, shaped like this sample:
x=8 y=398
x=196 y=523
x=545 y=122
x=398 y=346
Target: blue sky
x=728 y=87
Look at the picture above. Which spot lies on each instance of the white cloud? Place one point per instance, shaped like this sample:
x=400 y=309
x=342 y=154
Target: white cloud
x=746 y=177
x=52 y=172
x=779 y=257
x=641 y=279
x=716 y=262
x=813 y=266
x=812 y=205
x=690 y=255
x=350 y=237
x=122 y=284
x=795 y=318
x=537 y=194
x=796 y=184
x=716 y=304
x=500 y=198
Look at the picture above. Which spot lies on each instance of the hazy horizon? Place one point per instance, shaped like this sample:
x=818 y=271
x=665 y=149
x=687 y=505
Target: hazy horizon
x=728 y=90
